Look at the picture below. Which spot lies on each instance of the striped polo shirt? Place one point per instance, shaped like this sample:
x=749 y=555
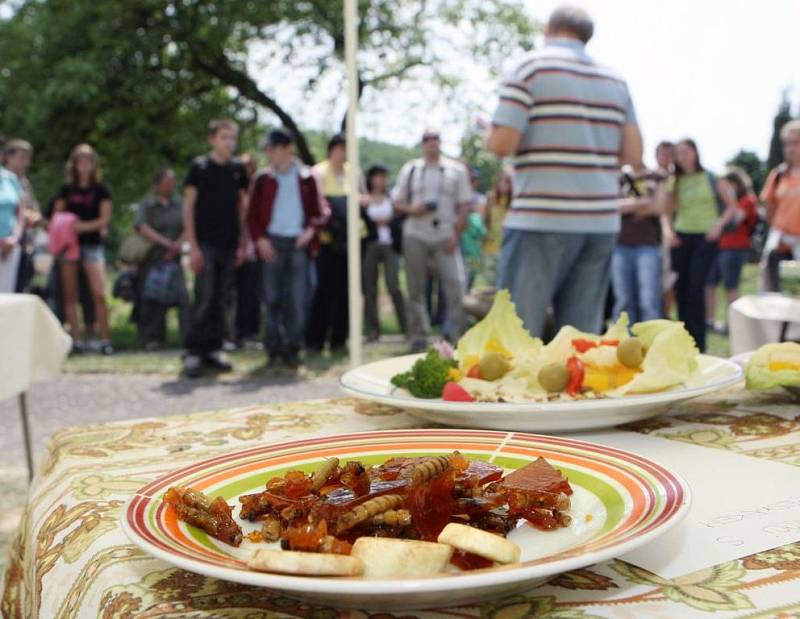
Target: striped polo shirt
x=570 y=112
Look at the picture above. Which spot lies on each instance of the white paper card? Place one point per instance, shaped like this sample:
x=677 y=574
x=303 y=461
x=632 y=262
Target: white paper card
x=740 y=505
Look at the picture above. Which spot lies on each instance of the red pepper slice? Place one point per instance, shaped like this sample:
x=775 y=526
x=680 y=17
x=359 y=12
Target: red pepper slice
x=582 y=345
x=474 y=372
x=453 y=392
x=577 y=372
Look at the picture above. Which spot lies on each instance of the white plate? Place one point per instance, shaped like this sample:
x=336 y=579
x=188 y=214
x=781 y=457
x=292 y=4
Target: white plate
x=372 y=382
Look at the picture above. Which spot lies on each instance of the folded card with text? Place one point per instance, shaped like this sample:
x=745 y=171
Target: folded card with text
x=740 y=505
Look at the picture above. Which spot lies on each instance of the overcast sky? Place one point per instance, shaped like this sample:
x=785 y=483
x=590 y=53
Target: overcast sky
x=713 y=71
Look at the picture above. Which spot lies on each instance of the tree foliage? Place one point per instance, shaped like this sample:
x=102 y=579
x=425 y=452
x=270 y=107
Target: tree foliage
x=139 y=79
x=783 y=116
x=752 y=164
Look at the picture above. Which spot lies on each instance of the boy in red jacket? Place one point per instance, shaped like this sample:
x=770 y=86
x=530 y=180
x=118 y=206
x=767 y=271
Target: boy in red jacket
x=285 y=211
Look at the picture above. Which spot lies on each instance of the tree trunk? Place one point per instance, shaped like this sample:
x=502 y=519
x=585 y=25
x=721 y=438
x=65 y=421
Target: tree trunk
x=220 y=68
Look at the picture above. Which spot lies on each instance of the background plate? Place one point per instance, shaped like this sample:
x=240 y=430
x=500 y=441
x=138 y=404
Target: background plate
x=372 y=382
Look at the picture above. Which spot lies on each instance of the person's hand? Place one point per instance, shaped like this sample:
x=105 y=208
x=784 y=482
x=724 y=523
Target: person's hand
x=418 y=210
x=196 y=259
x=172 y=251
x=7 y=244
x=32 y=217
x=714 y=234
x=674 y=239
x=451 y=244
x=304 y=239
x=241 y=255
x=265 y=250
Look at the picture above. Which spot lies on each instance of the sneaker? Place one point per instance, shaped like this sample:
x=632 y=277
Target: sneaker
x=217 y=360
x=77 y=348
x=418 y=346
x=192 y=366
x=105 y=348
x=229 y=346
x=292 y=361
x=93 y=345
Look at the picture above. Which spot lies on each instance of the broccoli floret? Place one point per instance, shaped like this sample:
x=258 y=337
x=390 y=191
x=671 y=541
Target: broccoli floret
x=427 y=377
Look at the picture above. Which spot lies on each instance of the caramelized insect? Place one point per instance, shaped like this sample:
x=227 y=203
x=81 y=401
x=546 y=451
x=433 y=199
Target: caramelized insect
x=428 y=469
x=271 y=528
x=214 y=517
x=367 y=510
x=392 y=518
x=254 y=506
x=323 y=473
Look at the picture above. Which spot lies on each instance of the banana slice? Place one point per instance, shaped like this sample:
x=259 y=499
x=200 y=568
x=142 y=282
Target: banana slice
x=481 y=543
x=400 y=558
x=305 y=563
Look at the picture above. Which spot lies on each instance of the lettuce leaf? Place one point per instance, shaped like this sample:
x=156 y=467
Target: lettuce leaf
x=648 y=330
x=671 y=357
x=619 y=330
x=500 y=326
x=785 y=357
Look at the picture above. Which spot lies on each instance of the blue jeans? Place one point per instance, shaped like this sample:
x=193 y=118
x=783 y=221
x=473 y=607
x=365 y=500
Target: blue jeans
x=636 y=278
x=692 y=260
x=285 y=284
x=727 y=268
x=568 y=271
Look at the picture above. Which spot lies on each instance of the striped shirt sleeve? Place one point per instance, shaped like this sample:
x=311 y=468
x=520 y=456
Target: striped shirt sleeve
x=515 y=103
x=630 y=111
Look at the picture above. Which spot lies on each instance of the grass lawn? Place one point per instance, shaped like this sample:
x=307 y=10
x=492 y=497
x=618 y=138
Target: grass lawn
x=130 y=359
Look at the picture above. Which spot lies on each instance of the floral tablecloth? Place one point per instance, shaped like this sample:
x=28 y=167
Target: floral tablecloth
x=71 y=559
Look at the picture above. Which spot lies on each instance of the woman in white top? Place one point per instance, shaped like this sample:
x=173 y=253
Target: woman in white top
x=381 y=248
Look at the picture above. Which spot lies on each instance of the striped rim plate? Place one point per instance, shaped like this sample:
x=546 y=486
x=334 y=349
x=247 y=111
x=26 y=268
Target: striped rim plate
x=621 y=501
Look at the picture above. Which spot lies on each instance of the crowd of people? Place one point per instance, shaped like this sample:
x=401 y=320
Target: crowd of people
x=576 y=227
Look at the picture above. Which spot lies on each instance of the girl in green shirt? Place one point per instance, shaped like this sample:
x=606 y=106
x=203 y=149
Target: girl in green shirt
x=699 y=208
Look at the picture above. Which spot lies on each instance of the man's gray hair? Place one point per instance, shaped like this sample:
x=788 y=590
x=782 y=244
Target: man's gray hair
x=571 y=19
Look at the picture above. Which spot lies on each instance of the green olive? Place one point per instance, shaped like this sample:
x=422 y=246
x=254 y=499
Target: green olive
x=493 y=366
x=630 y=352
x=554 y=377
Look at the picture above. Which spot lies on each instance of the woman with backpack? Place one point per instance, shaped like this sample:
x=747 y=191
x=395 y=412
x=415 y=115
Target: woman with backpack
x=161 y=278
x=734 y=246
x=700 y=206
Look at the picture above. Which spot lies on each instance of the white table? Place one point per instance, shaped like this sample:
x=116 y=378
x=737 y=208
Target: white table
x=755 y=320
x=33 y=346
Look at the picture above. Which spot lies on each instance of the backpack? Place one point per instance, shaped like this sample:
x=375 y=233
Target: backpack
x=731 y=226
x=396 y=225
x=161 y=284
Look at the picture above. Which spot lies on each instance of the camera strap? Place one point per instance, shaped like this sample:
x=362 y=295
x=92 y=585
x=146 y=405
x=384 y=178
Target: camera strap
x=438 y=192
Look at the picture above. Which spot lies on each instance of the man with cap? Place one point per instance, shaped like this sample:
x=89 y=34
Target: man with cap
x=284 y=215
x=434 y=193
